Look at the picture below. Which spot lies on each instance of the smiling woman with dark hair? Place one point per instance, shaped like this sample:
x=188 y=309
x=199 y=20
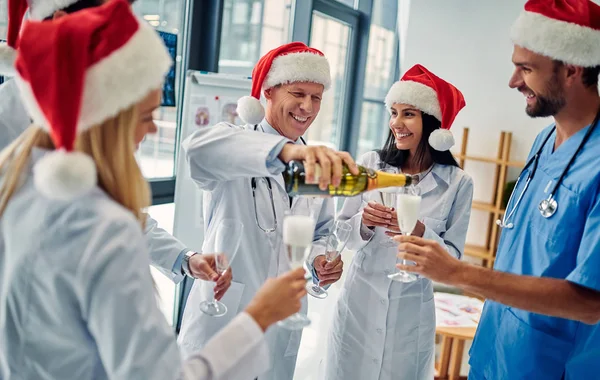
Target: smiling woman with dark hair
x=385 y=329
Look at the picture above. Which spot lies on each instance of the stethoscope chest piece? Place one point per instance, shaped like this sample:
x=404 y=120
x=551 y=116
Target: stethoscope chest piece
x=548 y=207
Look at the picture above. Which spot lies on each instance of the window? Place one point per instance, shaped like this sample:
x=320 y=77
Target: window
x=157 y=153
x=332 y=37
x=165 y=288
x=379 y=76
x=373 y=127
x=251 y=28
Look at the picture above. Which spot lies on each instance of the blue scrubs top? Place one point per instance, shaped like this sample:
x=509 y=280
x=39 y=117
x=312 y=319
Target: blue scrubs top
x=515 y=344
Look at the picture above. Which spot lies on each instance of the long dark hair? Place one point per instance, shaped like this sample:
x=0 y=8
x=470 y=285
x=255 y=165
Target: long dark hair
x=395 y=157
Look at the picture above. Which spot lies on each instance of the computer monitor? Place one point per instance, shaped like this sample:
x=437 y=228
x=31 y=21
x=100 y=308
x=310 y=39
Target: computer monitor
x=168 y=98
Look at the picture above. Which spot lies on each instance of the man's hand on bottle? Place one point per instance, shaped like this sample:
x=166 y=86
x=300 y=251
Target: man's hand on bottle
x=331 y=162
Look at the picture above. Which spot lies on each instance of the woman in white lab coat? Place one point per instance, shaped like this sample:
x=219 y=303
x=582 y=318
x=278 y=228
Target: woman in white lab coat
x=383 y=329
x=76 y=294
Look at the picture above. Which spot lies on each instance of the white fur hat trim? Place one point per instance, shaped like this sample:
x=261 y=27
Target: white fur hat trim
x=115 y=83
x=298 y=67
x=416 y=94
x=564 y=41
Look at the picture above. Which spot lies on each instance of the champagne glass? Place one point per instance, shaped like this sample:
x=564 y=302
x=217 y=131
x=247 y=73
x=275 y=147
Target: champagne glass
x=408 y=202
x=225 y=239
x=336 y=242
x=298 y=232
x=388 y=199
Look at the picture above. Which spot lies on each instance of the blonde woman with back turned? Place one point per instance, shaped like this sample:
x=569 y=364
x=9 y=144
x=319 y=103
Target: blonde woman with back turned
x=76 y=295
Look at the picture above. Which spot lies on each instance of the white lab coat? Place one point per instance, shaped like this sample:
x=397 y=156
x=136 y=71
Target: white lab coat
x=383 y=329
x=165 y=250
x=77 y=299
x=223 y=159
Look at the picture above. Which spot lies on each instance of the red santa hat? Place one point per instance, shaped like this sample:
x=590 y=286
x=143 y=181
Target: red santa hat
x=78 y=71
x=293 y=62
x=565 y=30
x=424 y=90
x=38 y=10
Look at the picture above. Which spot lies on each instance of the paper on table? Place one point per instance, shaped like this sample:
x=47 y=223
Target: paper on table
x=454 y=310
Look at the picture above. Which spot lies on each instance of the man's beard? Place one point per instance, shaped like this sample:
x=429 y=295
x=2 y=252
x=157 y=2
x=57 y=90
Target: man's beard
x=548 y=105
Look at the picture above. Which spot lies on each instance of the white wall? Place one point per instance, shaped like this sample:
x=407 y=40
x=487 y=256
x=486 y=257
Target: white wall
x=467 y=43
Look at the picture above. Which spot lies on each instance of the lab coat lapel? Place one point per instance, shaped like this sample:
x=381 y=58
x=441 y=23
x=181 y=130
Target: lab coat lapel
x=427 y=184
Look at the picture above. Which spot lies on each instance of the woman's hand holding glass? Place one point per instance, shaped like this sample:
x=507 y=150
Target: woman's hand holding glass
x=376 y=215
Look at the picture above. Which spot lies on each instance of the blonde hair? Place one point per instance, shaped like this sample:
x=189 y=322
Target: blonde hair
x=110 y=144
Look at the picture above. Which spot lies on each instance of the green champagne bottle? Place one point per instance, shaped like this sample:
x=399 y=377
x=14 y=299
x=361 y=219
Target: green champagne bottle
x=351 y=185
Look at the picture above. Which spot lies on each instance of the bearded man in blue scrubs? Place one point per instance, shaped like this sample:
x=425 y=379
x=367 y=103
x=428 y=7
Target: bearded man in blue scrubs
x=541 y=317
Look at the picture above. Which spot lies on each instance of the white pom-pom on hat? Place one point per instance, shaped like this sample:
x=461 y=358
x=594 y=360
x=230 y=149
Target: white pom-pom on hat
x=64 y=176
x=441 y=139
x=250 y=110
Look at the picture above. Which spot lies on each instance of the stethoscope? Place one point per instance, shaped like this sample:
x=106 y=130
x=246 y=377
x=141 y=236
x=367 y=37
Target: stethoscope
x=548 y=206
x=254 y=185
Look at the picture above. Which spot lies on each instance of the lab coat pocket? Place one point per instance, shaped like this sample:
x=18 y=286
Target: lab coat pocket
x=522 y=349
x=436 y=225
x=233 y=297
x=555 y=236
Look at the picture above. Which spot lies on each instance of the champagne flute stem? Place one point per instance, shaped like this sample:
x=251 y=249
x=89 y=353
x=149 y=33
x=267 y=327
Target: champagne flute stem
x=403 y=260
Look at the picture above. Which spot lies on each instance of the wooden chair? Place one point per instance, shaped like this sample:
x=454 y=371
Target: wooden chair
x=453 y=345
